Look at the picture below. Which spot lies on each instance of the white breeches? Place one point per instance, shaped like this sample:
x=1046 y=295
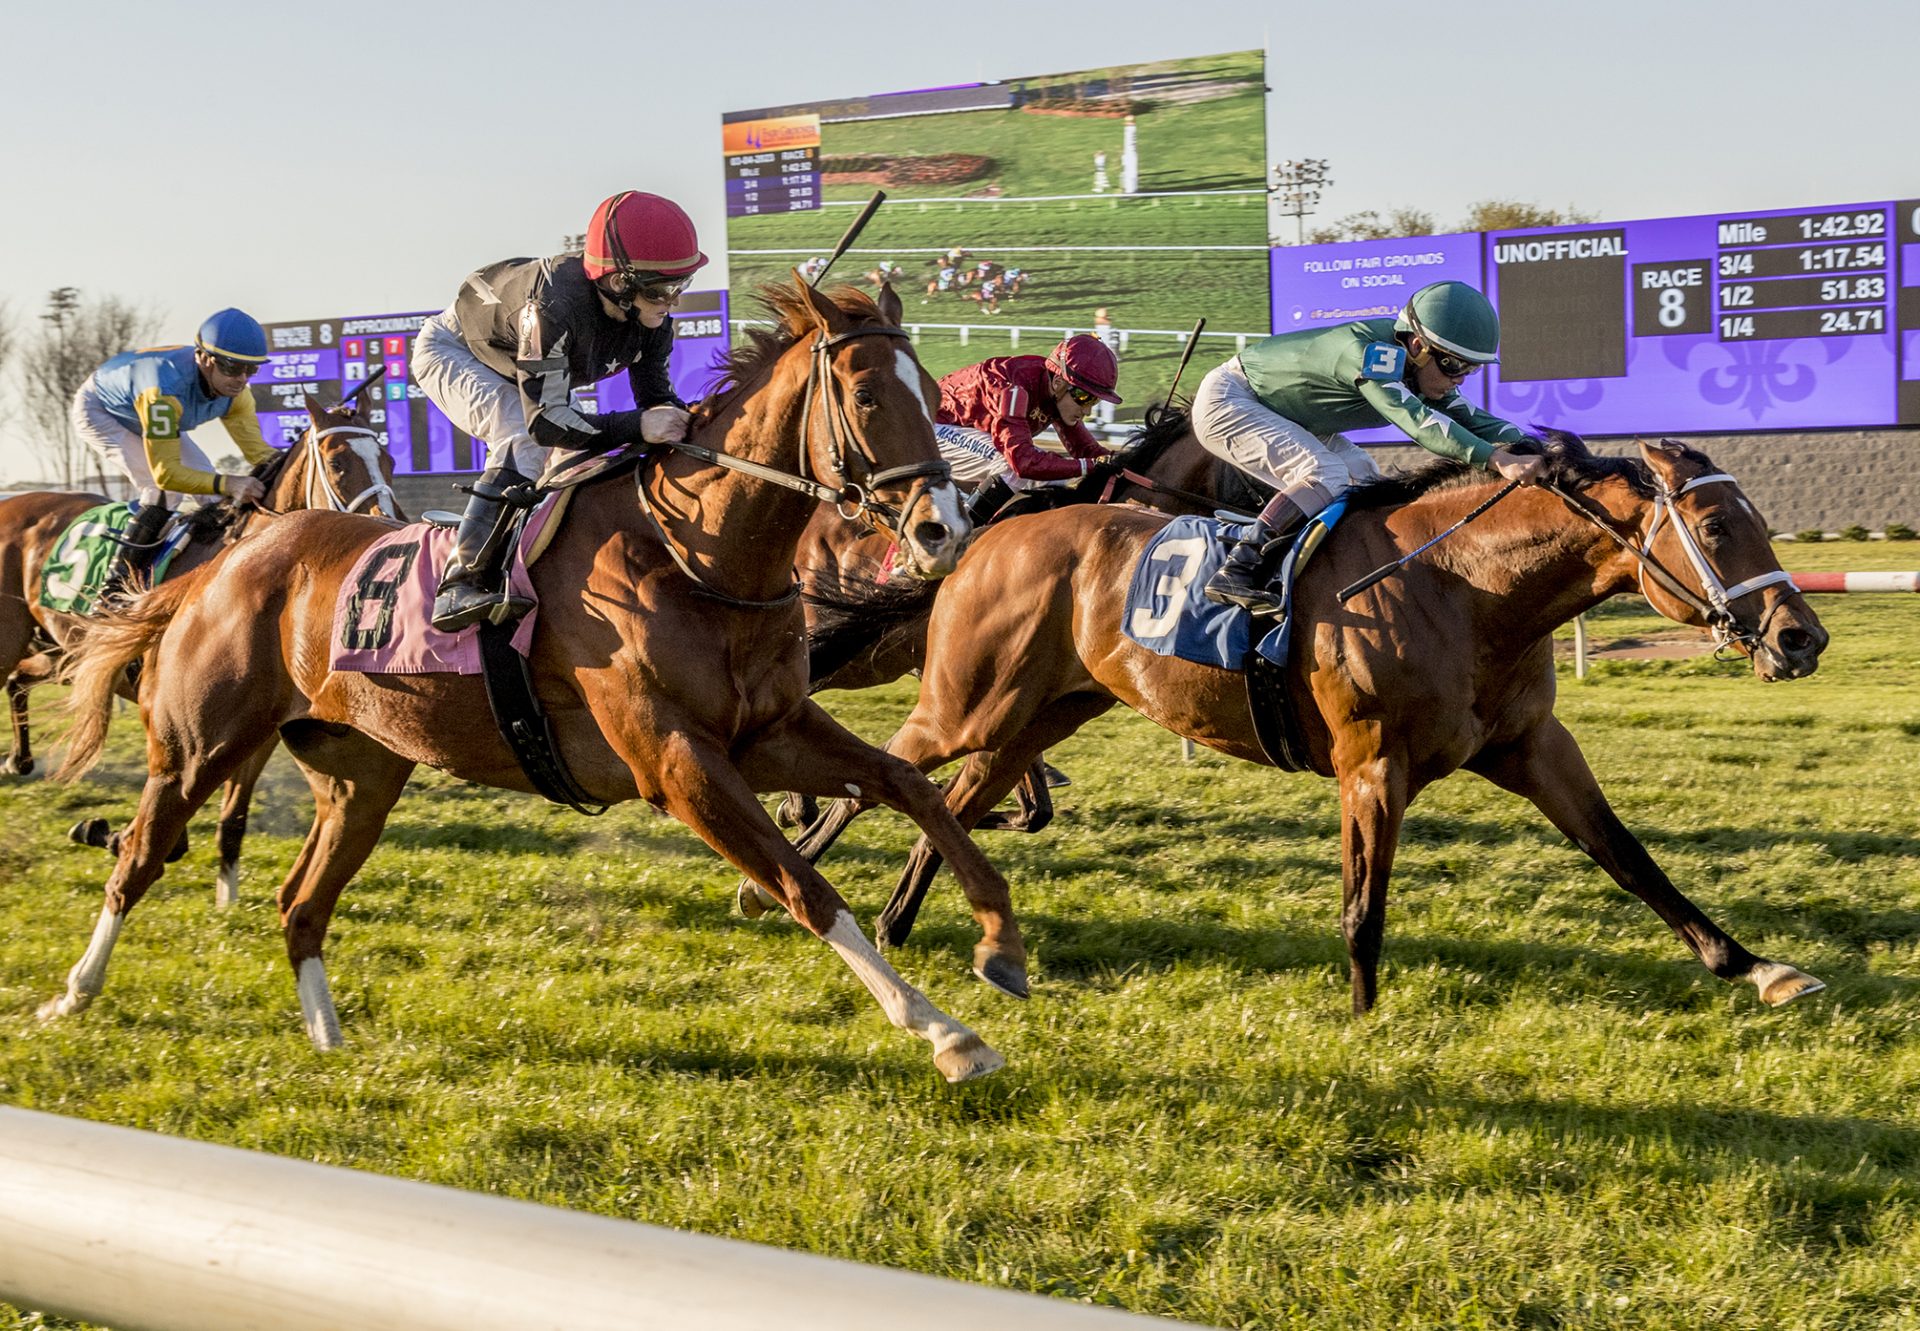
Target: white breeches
x=474 y=397
x=1233 y=424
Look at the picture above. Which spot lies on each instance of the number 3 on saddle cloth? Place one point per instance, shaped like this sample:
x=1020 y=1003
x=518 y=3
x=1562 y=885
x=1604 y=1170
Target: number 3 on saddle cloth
x=76 y=572
x=1166 y=614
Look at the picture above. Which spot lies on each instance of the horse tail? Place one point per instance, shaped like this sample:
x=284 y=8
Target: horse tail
x=851 y=615
x=106 y=646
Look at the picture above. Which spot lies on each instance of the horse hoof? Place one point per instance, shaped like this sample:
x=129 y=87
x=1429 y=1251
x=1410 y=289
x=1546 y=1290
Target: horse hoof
x=13 y=766
x=65 y=1005
x=1004 y=974
x=90 y=832
x=966 y=1059
x=1779 y=983
x=1056 y=779
x=752 y=899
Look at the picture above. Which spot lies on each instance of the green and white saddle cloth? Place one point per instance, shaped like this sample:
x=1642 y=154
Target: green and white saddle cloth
x=75 y=572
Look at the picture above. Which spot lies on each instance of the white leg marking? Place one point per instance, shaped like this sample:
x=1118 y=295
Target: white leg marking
x=89 y=974
x=316 y=1005
x=226 y=887
x=905 y=1006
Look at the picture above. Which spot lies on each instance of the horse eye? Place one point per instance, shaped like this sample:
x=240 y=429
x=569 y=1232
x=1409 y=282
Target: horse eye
x=1713 y=529
x=863 y=397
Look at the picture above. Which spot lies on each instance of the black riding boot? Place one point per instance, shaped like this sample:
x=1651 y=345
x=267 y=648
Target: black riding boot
x=473 y=587
x=988 y=500
x=138 y=545
x=1242 y=580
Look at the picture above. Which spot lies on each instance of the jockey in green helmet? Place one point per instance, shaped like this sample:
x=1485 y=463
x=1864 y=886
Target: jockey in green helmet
x=1276 y=411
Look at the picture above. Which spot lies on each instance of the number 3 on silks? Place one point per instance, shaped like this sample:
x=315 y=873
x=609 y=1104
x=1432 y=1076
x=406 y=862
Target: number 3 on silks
x=1384 y=362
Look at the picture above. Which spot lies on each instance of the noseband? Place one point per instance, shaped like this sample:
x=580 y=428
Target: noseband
x=1717 y=609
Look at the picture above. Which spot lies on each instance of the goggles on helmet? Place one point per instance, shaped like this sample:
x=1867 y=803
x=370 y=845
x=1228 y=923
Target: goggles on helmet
x=646 y=284
x=1084 y=397
x=238 y=369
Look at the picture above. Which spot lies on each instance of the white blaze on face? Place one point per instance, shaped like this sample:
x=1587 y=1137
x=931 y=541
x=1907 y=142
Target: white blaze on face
x=909 y=371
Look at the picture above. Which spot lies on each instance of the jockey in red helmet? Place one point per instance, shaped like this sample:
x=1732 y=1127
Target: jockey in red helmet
x=990 y=412
x=504 y=360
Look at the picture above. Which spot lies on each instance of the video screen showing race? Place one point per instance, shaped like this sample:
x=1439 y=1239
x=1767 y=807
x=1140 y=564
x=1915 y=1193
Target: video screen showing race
x=1127 y=202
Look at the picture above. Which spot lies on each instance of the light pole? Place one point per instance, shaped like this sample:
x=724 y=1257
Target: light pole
x=1297 y=185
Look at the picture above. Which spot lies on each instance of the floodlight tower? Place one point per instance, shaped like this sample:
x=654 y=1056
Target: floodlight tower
x=1296 y=186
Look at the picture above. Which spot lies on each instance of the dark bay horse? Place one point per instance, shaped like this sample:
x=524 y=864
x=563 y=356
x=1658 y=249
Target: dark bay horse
x=336 y=464
x=868 y=606
x=1447 y=666
x=670 y=655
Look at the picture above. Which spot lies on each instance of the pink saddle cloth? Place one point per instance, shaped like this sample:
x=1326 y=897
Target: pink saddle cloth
x=381 y=622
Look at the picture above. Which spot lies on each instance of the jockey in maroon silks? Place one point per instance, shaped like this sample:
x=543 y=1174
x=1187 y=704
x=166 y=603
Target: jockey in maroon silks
x=990 y=412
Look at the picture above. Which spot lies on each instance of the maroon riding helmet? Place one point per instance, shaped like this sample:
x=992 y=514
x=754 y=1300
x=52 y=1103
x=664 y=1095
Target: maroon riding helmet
x=1087 y=363
x=641 y=233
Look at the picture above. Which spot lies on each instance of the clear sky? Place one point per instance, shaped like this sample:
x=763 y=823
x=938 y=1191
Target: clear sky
x=309 y=159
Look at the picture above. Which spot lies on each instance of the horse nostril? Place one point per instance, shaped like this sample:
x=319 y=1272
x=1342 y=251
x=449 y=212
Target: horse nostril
x=1799 y=642
x=931 y=535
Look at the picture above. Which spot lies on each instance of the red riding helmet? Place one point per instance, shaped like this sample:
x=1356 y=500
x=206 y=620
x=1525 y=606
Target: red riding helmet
x=1086 y=362
x=632 y=230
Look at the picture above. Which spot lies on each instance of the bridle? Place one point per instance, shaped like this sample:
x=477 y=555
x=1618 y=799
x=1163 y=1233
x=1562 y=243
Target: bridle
x=852 y=497
x=380 y=493
x=1717 y=607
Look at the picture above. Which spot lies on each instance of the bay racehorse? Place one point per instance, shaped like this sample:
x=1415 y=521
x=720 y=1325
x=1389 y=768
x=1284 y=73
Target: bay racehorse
x=670 y=656
x=336 y=464
x=1447 y=666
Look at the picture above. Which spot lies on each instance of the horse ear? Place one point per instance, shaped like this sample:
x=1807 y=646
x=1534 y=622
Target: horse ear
x=1671 y=461
x=315 y=407
x=889 y=303
x=825 y=315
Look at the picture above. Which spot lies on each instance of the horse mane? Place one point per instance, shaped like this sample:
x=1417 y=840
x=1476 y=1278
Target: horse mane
x=1165 y=423
x=1571 y=465
x=853 y=614
x=269 y=471
x=764 y=346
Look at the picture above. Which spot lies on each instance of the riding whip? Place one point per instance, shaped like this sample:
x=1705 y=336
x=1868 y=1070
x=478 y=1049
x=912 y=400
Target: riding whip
x=373 y=378
x=1193 y=340
x=1386 y=571
x=853 y=232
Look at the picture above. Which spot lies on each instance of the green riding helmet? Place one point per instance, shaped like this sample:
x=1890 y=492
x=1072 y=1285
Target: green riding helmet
x=1455 y=318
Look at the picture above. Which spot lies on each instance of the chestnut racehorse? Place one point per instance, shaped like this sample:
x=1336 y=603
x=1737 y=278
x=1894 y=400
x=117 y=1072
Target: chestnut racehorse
x=1447 y=666
x=670 y=656
x=337 y=464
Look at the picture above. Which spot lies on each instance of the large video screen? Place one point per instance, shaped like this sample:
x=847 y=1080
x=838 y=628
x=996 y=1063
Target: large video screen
x=1018 y=211
x=1792 y=319
x=338 y=355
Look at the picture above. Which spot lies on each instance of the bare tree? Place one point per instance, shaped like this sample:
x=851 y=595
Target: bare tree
x=75 y=337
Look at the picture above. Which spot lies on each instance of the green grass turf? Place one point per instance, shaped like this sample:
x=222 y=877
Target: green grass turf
x=1556 y=1118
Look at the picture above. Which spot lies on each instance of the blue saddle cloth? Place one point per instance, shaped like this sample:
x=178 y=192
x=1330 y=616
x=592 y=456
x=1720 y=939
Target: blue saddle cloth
x=1167 y=612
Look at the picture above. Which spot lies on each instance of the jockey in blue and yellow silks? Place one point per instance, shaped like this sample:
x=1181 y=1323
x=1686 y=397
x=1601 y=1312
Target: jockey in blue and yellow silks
x=136 y=409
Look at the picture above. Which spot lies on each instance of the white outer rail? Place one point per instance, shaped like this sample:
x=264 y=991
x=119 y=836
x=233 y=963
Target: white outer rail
x=144 y=1232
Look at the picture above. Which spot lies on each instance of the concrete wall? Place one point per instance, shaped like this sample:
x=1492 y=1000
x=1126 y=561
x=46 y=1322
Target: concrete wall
x=1826 y=480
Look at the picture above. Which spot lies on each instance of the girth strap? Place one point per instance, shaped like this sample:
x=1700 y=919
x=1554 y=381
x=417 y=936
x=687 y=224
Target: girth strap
x=523 y=722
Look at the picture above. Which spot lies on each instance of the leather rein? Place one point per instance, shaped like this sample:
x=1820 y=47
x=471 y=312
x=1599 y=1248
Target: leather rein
x=854 y=499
